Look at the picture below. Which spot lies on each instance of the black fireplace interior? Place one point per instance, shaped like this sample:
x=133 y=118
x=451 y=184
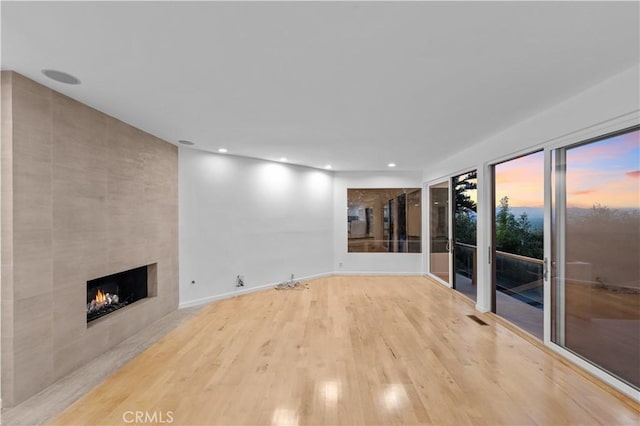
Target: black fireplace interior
x=113 y=292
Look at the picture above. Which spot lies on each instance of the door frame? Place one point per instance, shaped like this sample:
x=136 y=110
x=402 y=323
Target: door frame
x=427 y=253
x=427 y=224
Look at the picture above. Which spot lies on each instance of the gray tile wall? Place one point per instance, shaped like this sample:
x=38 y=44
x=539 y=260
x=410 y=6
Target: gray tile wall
x=85 y=195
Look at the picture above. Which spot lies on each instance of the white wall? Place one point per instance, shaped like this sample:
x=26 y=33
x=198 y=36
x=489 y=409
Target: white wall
x=611 y=105
x=392 y=263
x=241 y=216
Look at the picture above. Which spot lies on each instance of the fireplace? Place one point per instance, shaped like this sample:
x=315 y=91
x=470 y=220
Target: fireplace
x=108 y=294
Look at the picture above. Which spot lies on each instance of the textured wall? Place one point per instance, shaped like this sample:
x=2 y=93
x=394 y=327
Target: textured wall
x=84 y=195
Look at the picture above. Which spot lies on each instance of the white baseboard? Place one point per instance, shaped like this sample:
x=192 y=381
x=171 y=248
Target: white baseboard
x=209 y=299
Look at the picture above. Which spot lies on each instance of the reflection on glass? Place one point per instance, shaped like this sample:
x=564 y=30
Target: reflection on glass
x=596 y=245
x=465 y=190
x=440 y=248
x=518 y=240
x=384 y=220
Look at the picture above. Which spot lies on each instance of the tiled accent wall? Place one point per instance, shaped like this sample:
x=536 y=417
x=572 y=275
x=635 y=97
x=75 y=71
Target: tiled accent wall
x=83 y=196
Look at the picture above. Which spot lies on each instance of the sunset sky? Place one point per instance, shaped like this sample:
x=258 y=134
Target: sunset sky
x=605 y=172
x=522 y=180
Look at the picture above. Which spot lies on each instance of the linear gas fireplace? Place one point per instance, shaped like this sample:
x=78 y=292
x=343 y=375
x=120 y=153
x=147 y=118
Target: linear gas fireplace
x=108 y=294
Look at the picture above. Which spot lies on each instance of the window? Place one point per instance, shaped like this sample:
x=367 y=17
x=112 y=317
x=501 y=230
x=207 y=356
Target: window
x=384 y=220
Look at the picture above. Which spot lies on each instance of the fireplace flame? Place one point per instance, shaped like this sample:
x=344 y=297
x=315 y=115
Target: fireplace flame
x=101 y=297
x=101 y=300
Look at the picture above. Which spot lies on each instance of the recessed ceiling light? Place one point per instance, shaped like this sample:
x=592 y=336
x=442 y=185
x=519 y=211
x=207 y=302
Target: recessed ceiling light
x=391 y=165
x=61 y=77
x=183 y=142
x=222 y=150
x=283 y=159
x=328 y=167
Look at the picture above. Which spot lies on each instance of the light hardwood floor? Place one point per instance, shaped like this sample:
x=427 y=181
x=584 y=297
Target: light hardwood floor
x=348 y=350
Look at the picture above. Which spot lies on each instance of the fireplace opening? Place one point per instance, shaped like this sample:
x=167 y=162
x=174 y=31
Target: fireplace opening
x=108 y=294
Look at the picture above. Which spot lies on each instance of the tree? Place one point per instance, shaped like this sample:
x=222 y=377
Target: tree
x=462 y=185
x=507 y=234
x=517 y=236
x=465 y=208
x=465 y=227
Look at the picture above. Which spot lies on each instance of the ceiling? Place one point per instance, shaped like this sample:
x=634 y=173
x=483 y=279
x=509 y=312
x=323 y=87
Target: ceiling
x=355 y=85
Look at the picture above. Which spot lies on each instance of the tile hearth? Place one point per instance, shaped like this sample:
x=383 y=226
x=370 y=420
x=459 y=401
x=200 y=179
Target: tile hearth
x=51 y=401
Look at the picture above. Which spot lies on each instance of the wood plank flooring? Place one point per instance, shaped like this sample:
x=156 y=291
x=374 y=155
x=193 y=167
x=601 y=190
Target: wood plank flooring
x=350 y=351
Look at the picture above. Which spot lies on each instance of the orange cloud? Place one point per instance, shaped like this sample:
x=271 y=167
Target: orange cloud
x=522 y=180
x=634 y=174
x=613 y=191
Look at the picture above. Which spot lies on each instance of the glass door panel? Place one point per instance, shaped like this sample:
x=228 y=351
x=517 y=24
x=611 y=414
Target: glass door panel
x=465 y=253
x=518 y=242
x=596 y=241
x=440 y=248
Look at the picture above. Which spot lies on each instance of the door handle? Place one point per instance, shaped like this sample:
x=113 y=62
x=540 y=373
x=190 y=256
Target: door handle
x=545 y=268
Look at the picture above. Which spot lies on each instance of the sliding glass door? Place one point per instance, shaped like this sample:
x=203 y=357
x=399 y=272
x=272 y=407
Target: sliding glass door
x=464 y=235
x=452 y=227
x=439 y=242
x=595 y=285
x=563 y=248
x=517 y=254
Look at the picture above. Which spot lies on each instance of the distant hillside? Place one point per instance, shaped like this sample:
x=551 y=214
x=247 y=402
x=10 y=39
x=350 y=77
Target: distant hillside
x=536 y=214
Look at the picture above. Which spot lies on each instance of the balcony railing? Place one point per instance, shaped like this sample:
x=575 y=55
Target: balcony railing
x=466 y=256
x=516 y=275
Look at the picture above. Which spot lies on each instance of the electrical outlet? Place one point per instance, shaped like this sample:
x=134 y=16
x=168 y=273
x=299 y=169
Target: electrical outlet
x=340 y=264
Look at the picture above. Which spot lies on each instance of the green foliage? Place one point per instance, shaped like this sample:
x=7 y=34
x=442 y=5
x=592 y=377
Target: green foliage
x=465 y=223
x=465 y=228
x=516 y=235
x=462 y=185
